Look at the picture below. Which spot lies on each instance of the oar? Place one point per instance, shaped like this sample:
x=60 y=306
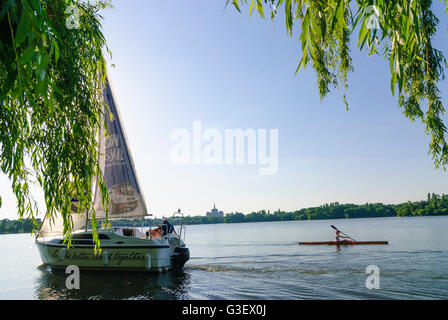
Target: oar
x=342 y=232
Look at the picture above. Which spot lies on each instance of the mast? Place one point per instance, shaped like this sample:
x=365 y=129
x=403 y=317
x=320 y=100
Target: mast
x=87 y=220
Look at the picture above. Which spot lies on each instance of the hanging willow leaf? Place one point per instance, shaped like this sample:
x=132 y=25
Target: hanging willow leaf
x=405 y=33
x=50 y=111
x=23 y=28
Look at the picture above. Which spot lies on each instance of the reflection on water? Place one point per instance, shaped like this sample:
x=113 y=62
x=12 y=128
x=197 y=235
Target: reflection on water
x=50 y=285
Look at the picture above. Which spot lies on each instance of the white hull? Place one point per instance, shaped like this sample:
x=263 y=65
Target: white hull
x=118 y=253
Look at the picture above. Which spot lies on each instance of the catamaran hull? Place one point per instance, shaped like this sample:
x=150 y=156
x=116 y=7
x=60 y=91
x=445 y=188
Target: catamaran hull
x=132 y=258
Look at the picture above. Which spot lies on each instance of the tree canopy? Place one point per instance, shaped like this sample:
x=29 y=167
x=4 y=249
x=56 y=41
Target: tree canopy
x=51 y=62
x=400 y=31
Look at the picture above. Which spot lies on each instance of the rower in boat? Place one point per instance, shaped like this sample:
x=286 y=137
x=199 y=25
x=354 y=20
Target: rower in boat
x=338 y=236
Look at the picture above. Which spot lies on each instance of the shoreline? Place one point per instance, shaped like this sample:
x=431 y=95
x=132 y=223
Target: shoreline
x=218 y=223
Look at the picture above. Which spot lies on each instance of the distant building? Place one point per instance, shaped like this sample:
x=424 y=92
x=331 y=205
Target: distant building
x=215 y=213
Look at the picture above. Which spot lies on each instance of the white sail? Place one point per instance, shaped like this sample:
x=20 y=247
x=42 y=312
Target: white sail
x=126 y=198
x=55 y=227
x=125 y=195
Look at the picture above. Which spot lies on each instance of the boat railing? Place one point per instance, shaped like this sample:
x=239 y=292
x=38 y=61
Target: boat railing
x=182 y=229
x=183 y=232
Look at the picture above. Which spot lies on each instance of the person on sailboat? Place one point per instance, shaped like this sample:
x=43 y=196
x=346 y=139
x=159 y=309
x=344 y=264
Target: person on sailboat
x=167 y=227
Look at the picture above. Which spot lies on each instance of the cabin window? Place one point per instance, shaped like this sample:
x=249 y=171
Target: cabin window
x=88 y=236
x=128 y=232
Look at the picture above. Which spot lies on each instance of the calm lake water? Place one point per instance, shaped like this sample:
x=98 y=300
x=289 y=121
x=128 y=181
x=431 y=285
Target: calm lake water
x=260 y=261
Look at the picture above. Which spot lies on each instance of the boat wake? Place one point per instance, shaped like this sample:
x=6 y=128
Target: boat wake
x=217 y=268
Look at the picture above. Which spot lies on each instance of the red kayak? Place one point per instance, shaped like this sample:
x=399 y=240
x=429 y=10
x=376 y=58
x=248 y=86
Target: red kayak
x=345 y=242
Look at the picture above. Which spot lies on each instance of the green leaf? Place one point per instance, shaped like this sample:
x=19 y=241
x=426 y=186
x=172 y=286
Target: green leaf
x=288 y=16
x=363 y=31
x=341 y=14
x=251 y=8
x=260 y=8
x=27 y=54
x=303 y=62
x=391 y=61
x=305 y=28
x=392 y=82
x=235 y=3
x=42 y=70
x=23 y=29
x=56 y=50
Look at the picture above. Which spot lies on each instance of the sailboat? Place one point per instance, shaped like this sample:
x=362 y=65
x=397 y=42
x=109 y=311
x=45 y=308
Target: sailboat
x=122 y=248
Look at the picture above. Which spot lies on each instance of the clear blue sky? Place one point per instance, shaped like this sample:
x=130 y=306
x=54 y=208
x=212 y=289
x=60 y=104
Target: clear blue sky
x=180 y=61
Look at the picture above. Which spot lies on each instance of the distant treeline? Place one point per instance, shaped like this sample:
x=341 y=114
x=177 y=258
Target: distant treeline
x=434 y=205
x=18 y=226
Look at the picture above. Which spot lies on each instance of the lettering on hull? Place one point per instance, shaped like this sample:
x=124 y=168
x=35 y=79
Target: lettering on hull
x=119 y=257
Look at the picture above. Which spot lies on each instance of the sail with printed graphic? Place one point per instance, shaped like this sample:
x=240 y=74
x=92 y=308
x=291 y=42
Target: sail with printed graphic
x=125 y=196
x=126 y=199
